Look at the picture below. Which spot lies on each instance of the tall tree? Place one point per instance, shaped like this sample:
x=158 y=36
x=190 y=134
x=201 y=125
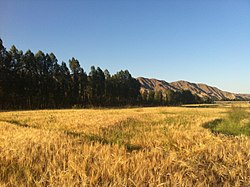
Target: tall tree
x=151 y=97
x=38 y=81
x=5 y=76
x=79 y=82
x=159 y=97
x=96 y=86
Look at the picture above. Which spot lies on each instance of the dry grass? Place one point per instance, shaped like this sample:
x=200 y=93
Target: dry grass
x=120 y=147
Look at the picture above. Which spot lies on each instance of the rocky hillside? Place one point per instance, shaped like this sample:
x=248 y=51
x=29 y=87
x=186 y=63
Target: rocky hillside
x=201 y=90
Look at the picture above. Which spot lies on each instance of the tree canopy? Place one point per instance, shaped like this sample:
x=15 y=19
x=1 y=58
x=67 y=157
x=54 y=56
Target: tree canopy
x=36 y=81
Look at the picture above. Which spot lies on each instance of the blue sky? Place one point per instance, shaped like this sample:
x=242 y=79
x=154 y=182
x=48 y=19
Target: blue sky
x=204 y=41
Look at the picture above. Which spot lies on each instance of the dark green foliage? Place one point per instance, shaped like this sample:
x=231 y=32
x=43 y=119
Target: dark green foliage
x=35 y=81
x=123 y=88
x=169 y=97
x=96 y=86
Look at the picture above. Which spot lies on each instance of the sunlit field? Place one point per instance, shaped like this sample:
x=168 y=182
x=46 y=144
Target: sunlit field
x=163 y=146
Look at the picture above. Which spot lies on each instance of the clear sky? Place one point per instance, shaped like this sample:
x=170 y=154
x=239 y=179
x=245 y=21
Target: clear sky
x=204 y=41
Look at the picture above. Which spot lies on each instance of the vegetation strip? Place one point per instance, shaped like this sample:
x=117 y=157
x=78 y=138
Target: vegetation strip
x=38 y=81
x=237 y=122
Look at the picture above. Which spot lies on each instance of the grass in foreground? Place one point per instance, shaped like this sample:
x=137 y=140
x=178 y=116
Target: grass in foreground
x=128 y=147
x=237 y=122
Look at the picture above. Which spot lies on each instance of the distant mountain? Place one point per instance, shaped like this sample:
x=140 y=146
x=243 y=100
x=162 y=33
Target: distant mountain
x=201 y=90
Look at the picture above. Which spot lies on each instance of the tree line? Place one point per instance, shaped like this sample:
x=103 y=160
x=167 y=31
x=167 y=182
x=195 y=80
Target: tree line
x=169 y=97
x=38 y=81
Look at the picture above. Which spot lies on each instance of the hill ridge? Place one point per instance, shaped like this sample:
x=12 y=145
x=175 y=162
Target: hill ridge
x=200 y=89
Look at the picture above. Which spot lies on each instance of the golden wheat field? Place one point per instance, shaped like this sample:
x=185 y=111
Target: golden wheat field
x=163 y=146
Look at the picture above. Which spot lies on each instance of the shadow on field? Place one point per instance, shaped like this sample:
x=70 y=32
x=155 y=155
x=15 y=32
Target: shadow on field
x=110 y=141
x=17 y=123
x=201 y=106
x=119 y=134
x=212 y=125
